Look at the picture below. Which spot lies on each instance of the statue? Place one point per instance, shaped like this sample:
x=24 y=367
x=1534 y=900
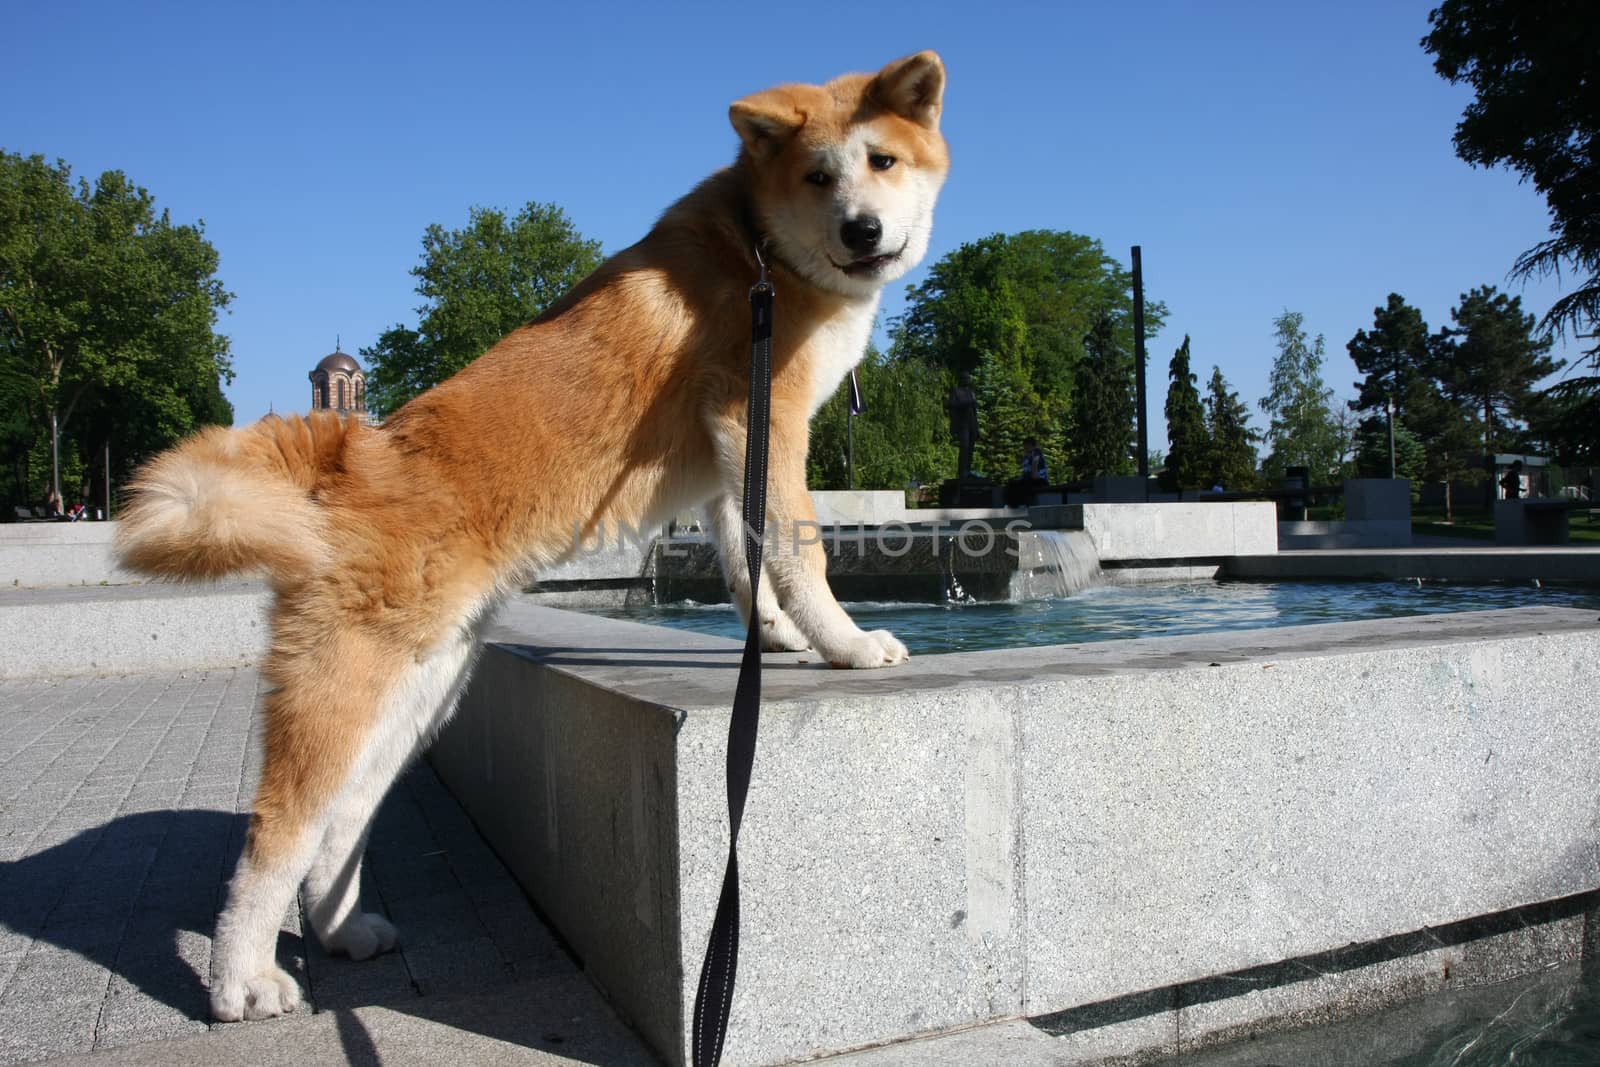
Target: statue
x=962 y=407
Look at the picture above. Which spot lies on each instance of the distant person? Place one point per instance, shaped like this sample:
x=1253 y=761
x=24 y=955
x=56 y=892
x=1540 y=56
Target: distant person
x=1034 y=467
x=962 y=407
x=52 y=505
x=1035 y=476
x=1511 y=484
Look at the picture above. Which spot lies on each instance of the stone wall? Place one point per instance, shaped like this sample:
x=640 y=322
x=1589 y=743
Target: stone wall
x=1032 y=832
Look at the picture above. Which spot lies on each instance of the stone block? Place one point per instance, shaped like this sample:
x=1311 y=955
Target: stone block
x=1120 y=489
x=1531 y=522
x=59 y=553
x=1033 y=831
x=1345 y=533
x=1177 y=531
x=1378 y=499
x=98 y=630
x=869 y=507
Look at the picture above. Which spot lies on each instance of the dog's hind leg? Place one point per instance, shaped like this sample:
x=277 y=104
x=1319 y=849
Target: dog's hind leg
x=313 y=732
x=778 y=631
x=412 y=712
x=335 y=738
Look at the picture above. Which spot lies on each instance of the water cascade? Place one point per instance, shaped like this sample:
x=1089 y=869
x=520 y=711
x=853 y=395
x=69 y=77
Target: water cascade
x=1053 y=564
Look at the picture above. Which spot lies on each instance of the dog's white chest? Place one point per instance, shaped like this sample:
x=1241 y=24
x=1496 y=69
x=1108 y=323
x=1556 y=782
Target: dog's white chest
x=836 y=347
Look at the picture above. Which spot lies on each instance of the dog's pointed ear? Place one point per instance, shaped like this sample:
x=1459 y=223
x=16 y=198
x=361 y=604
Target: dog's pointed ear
x=765 y=121
x=912 y=87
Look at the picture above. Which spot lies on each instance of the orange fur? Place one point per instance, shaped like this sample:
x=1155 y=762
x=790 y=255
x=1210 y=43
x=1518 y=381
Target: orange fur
x=621 y=404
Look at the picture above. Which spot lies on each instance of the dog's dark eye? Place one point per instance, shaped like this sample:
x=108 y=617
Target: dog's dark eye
x=880 y=161
x=820 y=178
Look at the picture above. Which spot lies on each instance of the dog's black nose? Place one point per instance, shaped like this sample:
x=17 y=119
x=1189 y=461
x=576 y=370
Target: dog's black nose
x=862 y=234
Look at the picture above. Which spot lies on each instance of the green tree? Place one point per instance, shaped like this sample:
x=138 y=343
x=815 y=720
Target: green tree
x=1008 y=414
x=1490 y=362
x=1452 y=438
x=1188 y=442
x=1372 y=453
x=901 y=438
x=1100 y=427
x=1231 y=457
x=1394 y=357
x=1537 y=111
x=1024 y=303
x=1568 y=424
x=478 y=284
x=107 y=324
x=1302 y=433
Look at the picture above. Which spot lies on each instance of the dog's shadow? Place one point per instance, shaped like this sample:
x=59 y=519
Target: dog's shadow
x=117 y=917
x=137 y=895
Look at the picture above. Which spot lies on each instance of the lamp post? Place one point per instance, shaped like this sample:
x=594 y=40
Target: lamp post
x=850 y=451
x=1141 y=415
x=1389 y=407
x=55 y=460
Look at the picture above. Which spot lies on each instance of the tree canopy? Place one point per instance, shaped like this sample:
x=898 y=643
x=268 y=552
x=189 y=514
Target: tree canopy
x=901 y=437
x=1100 y=426
x=1188 y=442
x=1014 y=310
x=478 y=284
x=1490 y=362
x=1302 y=433
x=1537 y=111
x=108 y=314
x=1232 y=452
x=1395 y=358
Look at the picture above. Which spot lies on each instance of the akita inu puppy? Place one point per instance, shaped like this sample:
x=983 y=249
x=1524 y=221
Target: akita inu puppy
x=389 y=547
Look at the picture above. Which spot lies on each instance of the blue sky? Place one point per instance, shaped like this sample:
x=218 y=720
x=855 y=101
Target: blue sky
x=1264 y=155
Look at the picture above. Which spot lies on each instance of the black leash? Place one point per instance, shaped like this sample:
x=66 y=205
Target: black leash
x=715 y=993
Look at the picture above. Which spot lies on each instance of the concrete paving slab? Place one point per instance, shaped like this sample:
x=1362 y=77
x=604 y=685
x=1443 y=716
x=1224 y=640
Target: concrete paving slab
x=114 y=857
x=551 y=1022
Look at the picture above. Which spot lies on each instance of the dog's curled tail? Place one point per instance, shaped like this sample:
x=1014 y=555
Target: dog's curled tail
x=228 y=501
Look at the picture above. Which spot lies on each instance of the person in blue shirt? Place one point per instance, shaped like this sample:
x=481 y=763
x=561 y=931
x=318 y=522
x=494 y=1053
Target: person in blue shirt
x=1035 y=475
x=1034 y=468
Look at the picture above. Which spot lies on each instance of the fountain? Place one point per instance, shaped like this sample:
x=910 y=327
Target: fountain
x=1054 y=563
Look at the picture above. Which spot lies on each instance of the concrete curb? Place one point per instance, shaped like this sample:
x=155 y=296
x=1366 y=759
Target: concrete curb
x=131 y=629
x=1487 y=564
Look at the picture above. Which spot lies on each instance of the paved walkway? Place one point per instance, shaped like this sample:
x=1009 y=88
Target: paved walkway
x=122 y=806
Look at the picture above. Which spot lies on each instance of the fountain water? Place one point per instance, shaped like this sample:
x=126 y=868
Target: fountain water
x=1054 y=563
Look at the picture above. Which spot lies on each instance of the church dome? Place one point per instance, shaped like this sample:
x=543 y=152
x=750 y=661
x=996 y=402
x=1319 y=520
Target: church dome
x=338 y=361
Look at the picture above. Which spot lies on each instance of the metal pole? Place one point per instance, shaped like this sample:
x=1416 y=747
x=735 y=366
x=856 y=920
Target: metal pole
x=108 y=479
x=55 y=459
x=1390 y=408
x=1142 y=416
x=850 y=451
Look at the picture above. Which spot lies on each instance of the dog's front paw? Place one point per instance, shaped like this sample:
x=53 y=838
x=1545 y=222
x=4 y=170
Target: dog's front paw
x=363 y=936
x=880 y=648
x=780 y=634
x=260 y=996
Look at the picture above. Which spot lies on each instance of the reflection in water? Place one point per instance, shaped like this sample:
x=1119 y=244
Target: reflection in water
x=1109 y=612
x=1549 y=1019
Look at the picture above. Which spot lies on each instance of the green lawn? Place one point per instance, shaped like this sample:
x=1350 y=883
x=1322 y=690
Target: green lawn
x=1471 y=526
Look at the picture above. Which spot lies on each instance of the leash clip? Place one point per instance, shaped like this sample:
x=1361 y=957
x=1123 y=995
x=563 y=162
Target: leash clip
x=762 y=285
